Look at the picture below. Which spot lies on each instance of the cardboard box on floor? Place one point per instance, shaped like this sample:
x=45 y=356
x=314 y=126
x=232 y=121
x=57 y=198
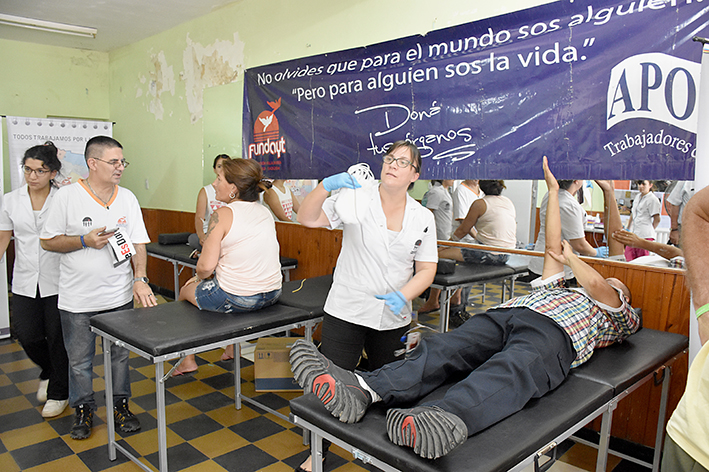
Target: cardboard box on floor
x=271 y=366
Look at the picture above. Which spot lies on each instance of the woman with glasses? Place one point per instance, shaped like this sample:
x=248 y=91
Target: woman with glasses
x=239 y=269
x=35 y=316
x=387 y=235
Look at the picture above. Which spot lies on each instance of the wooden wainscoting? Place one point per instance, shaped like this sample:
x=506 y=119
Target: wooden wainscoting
x=157 y=222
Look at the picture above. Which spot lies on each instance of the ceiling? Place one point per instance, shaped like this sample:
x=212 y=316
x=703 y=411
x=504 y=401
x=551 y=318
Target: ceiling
x=119 y=22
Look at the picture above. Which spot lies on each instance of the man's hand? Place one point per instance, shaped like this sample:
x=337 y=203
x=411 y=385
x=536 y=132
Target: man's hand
x=567 y=252
x=95 y=240
x=143 y=294
x=552 y=184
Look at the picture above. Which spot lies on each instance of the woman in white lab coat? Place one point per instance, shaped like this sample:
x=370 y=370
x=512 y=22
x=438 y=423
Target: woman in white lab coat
x=386 y=234
x=35 y=316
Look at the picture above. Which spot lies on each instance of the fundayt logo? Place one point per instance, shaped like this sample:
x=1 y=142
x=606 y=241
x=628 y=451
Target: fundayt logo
x=267 y=134
x=656 y=86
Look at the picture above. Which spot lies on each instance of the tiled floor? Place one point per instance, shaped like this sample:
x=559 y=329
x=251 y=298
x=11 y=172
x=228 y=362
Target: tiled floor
x=205 y=431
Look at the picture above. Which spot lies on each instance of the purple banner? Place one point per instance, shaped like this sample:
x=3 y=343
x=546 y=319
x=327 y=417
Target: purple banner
x=606 y=89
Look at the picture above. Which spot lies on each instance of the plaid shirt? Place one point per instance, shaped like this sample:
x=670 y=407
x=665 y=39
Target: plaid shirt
x=589 y=323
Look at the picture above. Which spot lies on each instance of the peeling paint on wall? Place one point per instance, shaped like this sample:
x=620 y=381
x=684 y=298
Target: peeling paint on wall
x=161 y=79
x=207 y=66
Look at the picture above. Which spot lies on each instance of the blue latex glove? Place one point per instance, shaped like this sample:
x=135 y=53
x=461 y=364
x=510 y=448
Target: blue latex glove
x=341 y=180
x=394 y=300
x=602 y=251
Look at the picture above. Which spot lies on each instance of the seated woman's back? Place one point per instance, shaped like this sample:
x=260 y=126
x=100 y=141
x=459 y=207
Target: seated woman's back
x=249 y=261
x=498 y=225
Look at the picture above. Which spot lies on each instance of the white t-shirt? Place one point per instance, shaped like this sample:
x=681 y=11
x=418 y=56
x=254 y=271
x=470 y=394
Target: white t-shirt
x=369 y=264
x=644 y=208
x=88 y=281
x=212 y=205
x=440 y=202
x=463 y=197
x=573 y=218
x=680 y=195
x=498 y=225
x=33 y=265
x=248 y=260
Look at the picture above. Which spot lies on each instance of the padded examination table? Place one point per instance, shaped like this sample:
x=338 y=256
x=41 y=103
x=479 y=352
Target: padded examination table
x=173 y=330
x=179 y=255
x=521 y=439
x=307 y=294
x=466 y=275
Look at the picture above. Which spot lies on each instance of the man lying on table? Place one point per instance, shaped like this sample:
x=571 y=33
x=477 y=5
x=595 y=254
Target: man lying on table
x=510 y=354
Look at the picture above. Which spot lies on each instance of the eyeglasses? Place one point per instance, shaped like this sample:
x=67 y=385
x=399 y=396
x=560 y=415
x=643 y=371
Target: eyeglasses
x=38 y=172
x=401 y=162
x=115 y=162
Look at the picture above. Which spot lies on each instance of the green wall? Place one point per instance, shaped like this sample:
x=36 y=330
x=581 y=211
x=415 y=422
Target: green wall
x=176 y=96
x=41 y=81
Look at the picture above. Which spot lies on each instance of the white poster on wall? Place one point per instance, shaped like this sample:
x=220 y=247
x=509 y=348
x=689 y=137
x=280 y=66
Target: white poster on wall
x=69 y=136
x=4 y=309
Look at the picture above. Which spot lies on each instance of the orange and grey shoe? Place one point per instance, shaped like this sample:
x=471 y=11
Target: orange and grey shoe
x=338 y=389
x=429 y=430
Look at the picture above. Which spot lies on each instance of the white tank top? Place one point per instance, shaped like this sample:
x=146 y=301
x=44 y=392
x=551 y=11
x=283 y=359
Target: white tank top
x=498 y=225
x=248 y=260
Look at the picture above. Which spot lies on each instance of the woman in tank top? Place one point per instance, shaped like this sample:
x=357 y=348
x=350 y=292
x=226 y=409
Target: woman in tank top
x=239 y=269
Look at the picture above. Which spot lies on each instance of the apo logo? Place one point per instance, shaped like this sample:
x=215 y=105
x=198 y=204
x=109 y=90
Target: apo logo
x=267 y=134
x=656 y=86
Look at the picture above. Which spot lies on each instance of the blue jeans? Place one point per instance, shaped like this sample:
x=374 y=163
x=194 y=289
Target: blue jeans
x=80 y=345
x=211 y=297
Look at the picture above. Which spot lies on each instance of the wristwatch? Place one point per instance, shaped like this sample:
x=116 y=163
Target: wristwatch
x=141 y=279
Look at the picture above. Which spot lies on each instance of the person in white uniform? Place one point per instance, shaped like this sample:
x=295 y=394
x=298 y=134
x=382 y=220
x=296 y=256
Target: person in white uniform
x=676 y=201
x=573 y=219
x=369 y=304
x=84 y=221
x=440 y=201
x=239 y=269
x=207 y=203
x=644 y=218
x=35 y=316
x=467 y=192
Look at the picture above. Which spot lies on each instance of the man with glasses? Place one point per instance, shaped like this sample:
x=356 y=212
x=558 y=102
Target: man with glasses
x=80 y=222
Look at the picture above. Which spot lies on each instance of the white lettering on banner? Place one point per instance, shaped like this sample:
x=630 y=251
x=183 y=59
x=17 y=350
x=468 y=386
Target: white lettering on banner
x=395 y=115
x=268 y=147
x=655 y=86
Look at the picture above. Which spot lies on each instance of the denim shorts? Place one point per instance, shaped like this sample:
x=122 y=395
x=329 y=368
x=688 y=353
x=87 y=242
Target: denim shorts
x=478 y=256
x=211 y=297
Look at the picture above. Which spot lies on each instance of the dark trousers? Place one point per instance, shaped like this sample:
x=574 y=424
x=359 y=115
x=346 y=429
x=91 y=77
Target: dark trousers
x=342 y=343
x=37 y=325
x=504 y=357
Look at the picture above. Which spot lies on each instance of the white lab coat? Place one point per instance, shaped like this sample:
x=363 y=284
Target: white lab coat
x=33 y=265
x=375 y=261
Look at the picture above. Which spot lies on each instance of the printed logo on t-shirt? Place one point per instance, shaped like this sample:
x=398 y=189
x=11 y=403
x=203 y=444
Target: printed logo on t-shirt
x=122 y=222
x=87 y=222
x=417 y=244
